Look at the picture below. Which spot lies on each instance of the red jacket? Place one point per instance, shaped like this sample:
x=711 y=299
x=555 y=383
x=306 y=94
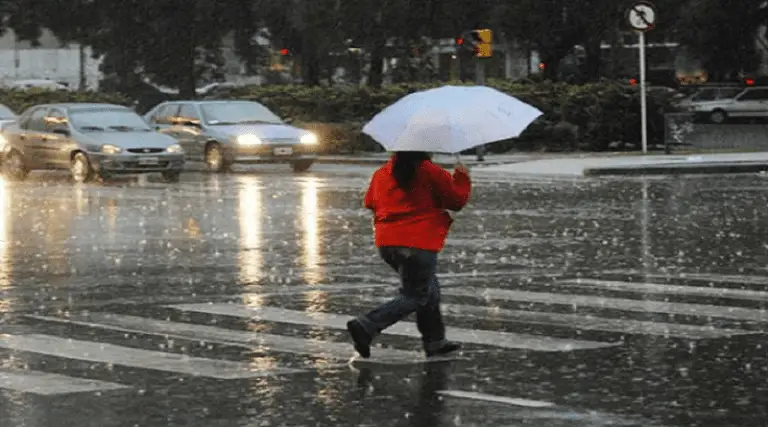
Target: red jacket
x=417 y=218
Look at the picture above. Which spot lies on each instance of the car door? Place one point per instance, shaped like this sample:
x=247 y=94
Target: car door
x=57 y=139
x=188 y=130
x=752 y=103
x=31 y=138
x=161 y=119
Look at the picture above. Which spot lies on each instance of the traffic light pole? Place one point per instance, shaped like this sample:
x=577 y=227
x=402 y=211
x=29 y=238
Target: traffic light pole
x=480 y=80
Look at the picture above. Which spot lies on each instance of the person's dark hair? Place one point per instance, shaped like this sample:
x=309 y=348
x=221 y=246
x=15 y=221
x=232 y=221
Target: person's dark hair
x=404 y=166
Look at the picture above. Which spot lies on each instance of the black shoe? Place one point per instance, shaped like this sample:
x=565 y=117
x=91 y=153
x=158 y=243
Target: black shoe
x=448 y=347
x=360 y=337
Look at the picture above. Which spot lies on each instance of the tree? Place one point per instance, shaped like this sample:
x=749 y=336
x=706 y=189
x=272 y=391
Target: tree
x=546 y=25
x=172 y=42
x=723 y=36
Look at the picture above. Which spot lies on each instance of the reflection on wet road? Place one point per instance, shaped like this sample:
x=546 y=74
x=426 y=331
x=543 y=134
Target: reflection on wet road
x=221 y=301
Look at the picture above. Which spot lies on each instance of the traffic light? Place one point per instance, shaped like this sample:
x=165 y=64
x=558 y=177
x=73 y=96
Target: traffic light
x=479 y=41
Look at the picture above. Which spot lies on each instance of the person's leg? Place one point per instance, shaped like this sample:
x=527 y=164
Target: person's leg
x=429 y=320
x=415 y=271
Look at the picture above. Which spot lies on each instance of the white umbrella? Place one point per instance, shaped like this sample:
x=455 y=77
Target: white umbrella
x=450 y=119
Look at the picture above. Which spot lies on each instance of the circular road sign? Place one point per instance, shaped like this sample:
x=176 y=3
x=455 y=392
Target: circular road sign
x=642 y=16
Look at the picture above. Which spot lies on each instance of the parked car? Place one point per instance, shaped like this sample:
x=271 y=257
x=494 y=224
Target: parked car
x=751 y=103
x=708 y=94
x=7 y=116
x=222 y=133
x=90 y=140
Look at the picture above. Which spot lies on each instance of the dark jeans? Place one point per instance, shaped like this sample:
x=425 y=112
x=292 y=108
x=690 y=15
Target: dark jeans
x=419 y=293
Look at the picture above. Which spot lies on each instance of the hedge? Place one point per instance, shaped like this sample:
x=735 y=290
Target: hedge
x=592 y=115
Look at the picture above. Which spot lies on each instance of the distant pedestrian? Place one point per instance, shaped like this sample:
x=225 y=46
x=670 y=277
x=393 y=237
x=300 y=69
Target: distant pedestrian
x=410 y=197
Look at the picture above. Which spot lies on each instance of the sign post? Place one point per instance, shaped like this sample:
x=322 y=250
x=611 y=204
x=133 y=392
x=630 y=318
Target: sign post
x=641 y=18
x=480 y=80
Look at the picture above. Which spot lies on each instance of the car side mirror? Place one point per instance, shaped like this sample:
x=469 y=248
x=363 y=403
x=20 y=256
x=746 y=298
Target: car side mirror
x=64 y=132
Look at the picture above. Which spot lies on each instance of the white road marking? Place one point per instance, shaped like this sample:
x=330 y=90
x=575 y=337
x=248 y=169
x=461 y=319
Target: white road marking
x=699 y=310
x=45 y=384
x=336 y=321
x=706 y=277
x=135 y=358
x=496 y=399
x=245 y=339
x=592 y=323
x=652 y=288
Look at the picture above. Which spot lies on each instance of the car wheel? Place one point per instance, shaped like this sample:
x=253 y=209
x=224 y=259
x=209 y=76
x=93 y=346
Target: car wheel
x=718 y=117
x=171 y=176
x=302 y=165
x=81 y=168
x=15 y=166
x=214 y=159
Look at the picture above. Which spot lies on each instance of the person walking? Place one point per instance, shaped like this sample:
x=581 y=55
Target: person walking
x=410 y=198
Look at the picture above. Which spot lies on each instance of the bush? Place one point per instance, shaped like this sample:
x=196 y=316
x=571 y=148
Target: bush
x=592 y=115
x=20 y=100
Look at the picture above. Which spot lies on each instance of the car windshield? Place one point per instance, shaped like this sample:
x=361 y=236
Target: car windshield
x=715 y=94
x=236 y=113
x=107 y=120
x=6 y=113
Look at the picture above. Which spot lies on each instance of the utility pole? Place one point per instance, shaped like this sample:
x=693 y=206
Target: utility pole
x=480 y=80
x=641 y=17
x=83 y=86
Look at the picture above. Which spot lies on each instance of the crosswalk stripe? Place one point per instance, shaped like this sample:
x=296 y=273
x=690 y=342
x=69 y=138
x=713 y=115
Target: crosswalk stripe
x=575 y=321
x=701 y=277
x=653 y=288
x=135 y=358
x=46 y=384
x=329 y=320
x=539 y=412
x=699 y=310
x=247 y=339
x=496 y=399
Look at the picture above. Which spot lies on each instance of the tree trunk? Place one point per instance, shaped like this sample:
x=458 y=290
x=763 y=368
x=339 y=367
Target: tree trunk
x=592 y=63
x=376 y=70
x=188 y=83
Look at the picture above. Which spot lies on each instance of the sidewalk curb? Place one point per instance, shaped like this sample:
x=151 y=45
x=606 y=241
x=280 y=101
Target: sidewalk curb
x=379 y=162
x=678 y=169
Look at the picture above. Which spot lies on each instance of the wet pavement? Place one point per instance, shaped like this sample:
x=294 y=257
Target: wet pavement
x=221 y=301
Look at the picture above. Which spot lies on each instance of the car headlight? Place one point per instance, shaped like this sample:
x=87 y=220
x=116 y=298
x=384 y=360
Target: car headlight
x=309 y=139
x=110 y=149
x=175 y=148
x=248 y=140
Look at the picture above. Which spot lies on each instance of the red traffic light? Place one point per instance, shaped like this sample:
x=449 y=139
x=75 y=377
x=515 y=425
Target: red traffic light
x=459 y=41
x=284 y=52
x=749 y=82
x=542 y=65
x=632 y=82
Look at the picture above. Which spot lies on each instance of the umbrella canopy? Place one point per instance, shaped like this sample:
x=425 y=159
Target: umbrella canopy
x=450 y=119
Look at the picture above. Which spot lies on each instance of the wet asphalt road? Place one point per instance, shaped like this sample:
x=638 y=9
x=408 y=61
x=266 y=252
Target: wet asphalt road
x=220 y=302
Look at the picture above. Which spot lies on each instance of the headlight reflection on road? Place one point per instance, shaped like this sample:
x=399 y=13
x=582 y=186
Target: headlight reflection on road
x=250 y=215
x=310 y=225
x=5 y=242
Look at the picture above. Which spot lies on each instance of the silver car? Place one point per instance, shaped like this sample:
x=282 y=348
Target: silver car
x=749 y=103
x=91 y=140
x=7 y=117
x=222 y=133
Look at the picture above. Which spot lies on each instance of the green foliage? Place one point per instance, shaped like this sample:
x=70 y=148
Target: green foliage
x=723 y=34
x=592 y=115
x=20 y=100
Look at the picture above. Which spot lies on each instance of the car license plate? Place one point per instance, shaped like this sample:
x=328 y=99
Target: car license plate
x=148 y=160
x=283 y=151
